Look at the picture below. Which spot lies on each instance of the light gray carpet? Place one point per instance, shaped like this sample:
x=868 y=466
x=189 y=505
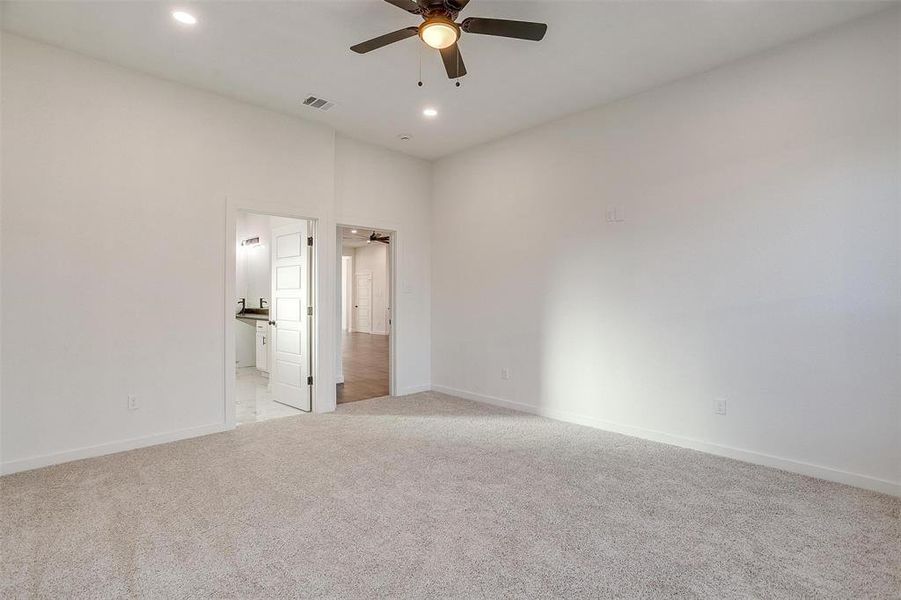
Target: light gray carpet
x=430 y=496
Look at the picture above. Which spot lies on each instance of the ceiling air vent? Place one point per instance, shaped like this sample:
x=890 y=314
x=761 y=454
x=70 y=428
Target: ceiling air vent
x=318 y=103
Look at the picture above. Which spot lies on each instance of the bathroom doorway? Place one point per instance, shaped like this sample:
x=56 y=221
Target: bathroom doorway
x=273 y=317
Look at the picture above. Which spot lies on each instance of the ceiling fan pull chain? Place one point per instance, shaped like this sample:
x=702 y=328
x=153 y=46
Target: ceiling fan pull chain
x=419 y=53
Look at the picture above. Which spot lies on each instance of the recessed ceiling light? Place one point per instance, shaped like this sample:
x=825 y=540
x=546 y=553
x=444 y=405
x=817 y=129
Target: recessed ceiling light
x=430 y=112
x=185 y=18
x=353 y=230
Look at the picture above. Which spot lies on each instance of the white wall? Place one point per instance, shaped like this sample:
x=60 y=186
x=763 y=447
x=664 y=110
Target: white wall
x=116 y=193
x=758 y=261
x=373 y=259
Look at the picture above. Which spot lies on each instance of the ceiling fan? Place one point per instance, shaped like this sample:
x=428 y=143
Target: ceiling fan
x=439 y=30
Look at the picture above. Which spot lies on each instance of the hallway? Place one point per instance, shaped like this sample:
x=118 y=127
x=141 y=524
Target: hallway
x=365 y=359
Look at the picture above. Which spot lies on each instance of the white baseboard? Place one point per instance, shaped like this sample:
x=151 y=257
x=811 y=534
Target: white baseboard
x=35 y=462
x=415 y=389
x=757 y=458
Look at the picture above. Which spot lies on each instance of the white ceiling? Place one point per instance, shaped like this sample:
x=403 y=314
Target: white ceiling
x=274 y=54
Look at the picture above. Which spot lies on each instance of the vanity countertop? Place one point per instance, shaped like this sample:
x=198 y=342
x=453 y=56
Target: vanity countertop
x=253 y=314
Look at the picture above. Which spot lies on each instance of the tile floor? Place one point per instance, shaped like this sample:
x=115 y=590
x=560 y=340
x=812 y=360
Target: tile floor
x=365 y=360
x=254 y=400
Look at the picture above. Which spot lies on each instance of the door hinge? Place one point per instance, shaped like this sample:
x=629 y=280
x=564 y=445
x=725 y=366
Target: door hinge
x=309 y=311
x=310 y=380
x=310 y=241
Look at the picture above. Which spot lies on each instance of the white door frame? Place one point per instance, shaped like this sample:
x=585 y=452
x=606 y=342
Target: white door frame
x=318 y=368
x=346 y=291
x=391 y=230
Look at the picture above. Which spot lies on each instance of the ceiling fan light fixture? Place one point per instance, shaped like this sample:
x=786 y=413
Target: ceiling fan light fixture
x=439 y=33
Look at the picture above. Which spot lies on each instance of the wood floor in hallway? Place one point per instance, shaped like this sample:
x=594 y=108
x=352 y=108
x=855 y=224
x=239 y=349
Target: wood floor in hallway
x=365 y=358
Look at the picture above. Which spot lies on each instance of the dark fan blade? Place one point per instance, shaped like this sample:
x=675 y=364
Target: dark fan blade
x=407 y=5
x=522 y=30
x=456 y=5
x=384 y=40
x=453 y=61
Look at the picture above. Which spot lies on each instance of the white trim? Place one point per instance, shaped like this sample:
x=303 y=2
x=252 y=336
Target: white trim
x=757 y=458
x=415 y=389
x=345 y=289
x=35 y=462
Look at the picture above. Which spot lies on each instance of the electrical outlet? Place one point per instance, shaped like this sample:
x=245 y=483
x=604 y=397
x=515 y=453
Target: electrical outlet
x=615 y=214
x=132 y=402
x=505 y=374
x=719 y=406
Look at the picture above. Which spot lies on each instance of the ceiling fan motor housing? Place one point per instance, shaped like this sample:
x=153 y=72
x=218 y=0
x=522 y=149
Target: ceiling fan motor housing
x=440 y=8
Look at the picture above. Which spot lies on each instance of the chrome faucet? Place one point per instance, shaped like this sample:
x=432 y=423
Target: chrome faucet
x=263 y=302
x=243 y=304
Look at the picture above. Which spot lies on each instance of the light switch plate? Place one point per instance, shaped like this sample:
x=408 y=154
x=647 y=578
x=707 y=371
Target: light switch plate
x=719 y=406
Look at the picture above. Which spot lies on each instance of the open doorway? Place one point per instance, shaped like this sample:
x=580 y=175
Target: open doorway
x=273 y=317
x=365 y=314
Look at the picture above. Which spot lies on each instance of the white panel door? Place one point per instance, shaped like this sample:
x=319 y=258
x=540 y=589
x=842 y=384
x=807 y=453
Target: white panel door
x=363 y=302
x=289 y=334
